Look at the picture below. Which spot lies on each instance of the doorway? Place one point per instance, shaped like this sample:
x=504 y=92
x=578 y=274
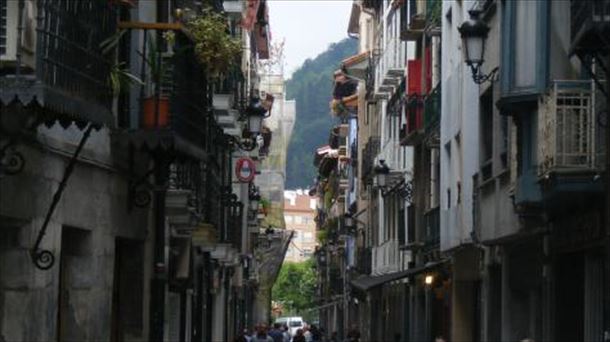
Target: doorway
x=127 y=290
x=569 y=298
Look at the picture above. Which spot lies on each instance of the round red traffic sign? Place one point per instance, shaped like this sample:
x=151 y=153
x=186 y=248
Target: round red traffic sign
x=245 y=169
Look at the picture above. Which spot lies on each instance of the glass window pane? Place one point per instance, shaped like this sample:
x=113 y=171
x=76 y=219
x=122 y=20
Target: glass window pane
x=525 y=43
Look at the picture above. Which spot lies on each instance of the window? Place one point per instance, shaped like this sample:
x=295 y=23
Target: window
x=298 y=220
x=503 y=142
x=524 y=40
x=288 y=218
x=486 y=133
x=527 y=143
x=528 y=188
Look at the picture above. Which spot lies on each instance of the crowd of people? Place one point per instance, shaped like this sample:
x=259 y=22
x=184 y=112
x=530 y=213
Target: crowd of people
x=281 y=333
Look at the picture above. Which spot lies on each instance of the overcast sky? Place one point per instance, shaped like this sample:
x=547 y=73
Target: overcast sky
x=308 y=27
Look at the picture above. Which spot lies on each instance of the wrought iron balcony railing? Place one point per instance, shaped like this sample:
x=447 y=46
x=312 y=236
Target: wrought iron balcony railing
x=571 y=138
x=52 y=56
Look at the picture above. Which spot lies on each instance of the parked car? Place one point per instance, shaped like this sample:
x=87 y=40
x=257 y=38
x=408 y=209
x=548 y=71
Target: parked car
x=294 y=323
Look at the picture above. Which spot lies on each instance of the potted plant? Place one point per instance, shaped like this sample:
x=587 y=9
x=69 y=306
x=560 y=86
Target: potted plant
x=215 y=48
x=155 y=107
x=119 y=76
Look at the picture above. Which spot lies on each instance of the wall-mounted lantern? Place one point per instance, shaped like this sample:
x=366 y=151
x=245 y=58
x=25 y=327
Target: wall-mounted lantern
x=474 y=35
x=382 y=173
x=255 y=113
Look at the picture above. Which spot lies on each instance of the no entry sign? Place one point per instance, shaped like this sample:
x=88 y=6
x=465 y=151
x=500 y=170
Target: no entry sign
x=245 y=170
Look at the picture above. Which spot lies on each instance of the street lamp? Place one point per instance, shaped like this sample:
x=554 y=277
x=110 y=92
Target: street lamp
x=255 y=113
x=382 y=172
x=474 y=34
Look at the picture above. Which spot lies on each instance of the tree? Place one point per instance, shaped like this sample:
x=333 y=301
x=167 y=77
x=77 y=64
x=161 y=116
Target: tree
x=295 y=288
x=311 y=86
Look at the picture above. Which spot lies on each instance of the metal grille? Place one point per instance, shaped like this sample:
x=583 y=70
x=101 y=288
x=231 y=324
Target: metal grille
x=569 y=133
x=68 y=47
x=573 y=135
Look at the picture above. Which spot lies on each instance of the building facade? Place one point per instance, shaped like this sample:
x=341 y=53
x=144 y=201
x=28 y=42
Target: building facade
x=121 y=214
x=467 y=201
x=299 y=209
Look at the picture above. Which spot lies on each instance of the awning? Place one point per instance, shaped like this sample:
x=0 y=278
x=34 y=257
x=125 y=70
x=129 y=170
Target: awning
x=365 y=283
x=356 y=66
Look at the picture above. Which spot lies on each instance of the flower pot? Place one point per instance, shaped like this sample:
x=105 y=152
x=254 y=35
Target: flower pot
x=150 y=110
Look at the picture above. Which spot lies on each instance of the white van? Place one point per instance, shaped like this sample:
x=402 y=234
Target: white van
x=293 y=323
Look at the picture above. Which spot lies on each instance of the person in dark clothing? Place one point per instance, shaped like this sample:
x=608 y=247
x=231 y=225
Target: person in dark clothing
x=316 y=336
x=276 y=333
x=344 y=86
x=299 y=337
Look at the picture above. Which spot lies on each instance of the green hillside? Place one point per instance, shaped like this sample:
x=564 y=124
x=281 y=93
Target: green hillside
x=311 y=86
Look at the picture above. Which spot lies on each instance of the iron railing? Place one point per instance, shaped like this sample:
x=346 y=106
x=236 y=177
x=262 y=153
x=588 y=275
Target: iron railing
x=71 y=75
x=570 y=136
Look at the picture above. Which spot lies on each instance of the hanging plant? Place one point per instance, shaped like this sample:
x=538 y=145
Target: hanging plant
x=215 y=48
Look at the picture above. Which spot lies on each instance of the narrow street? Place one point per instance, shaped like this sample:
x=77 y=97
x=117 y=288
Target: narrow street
x=304 y=170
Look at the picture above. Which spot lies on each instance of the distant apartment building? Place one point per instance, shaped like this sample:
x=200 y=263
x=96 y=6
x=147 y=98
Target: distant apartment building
x=299 y=216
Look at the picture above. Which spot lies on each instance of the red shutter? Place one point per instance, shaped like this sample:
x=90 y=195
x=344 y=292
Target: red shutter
x=414 y=75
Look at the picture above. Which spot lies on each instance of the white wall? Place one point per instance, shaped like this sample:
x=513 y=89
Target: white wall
x=459 y=132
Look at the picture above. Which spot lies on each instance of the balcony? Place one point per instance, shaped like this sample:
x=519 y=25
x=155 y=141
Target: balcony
x=414 y=128
x=364 y=261
x=590 y=23
x=432 y=109
x=58 y=65
x=571 y=149
x=431 y=230
x=392 y=64
x=370 y=151
x=413 y=21
x=176 y=116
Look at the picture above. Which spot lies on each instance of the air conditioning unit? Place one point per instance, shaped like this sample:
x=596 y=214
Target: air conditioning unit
x=9 y=19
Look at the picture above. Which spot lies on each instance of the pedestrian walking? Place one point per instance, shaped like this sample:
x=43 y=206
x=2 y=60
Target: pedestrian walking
x=307 y=334
x=299 y=337
x=316 y=336
x=261 y=334
x=276 y=333
x=244 y=336
x=286 y=333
